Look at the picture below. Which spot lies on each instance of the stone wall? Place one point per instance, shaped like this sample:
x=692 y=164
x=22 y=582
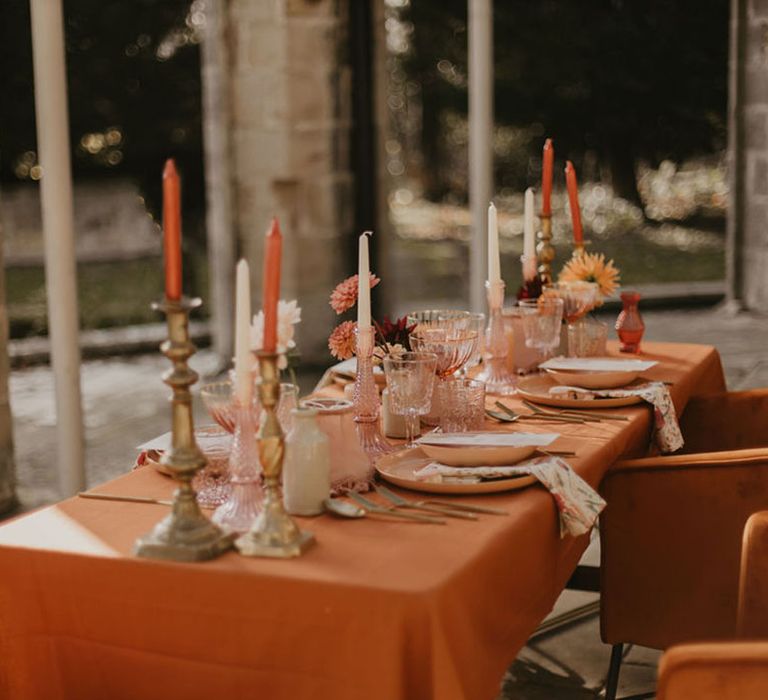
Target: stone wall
x=748 y=154
x=289 y=139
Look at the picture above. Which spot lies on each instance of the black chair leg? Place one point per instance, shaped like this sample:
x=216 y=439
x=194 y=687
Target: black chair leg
x=612 y=682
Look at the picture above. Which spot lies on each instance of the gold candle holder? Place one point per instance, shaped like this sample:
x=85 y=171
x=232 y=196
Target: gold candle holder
x=185 y=534
x=578 y=248
x=274 y=534
x=544 y=249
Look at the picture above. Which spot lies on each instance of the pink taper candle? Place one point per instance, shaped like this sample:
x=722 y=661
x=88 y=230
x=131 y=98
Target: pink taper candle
x=172 y=230
x=573 y=199
x=546 y=178
x=272 y=256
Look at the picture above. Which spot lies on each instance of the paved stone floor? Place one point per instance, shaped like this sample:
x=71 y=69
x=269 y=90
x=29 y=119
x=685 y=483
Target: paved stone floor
x=125 y=404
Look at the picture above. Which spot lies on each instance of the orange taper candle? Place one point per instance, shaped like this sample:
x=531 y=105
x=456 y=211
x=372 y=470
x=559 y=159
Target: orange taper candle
x=172 y=230
x=573 y=199
x=546 y=178
x=271 y=291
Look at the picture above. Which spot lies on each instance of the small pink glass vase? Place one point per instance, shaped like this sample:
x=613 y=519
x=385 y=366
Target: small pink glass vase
x=629 y=324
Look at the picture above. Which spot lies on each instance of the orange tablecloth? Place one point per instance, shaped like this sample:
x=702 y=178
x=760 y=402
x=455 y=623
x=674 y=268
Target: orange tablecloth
x=376 y=610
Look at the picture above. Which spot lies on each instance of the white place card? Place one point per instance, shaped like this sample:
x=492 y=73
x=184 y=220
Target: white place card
x=216 y=441
x=160 y=443
x=597 y=364
x=489 y=439
x=350 y=367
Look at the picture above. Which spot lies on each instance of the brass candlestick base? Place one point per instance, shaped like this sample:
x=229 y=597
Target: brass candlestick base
x=185 y=534
x=544 y=249
x=274 y=534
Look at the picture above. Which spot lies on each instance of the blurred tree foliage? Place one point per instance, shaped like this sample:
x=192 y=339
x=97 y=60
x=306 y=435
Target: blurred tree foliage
x=133 y=69
x=618 y=79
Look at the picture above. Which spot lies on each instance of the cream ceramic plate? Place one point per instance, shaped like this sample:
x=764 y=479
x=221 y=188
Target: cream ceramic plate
x=593 y=380
x=536 y=388
x=398 y=469
x=478 y=456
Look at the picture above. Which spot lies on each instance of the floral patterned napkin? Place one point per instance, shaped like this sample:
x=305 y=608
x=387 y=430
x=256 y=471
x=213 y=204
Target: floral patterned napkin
x=577 y=502
x=666 y=428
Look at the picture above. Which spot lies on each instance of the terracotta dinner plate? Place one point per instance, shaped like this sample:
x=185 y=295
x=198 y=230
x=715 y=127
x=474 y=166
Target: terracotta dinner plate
x=536 y=388
x=398 y=468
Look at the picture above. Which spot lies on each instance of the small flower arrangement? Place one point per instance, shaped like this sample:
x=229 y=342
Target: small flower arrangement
x=288 y=315
x=530 y=289
x=391 y=336
x=592 y=267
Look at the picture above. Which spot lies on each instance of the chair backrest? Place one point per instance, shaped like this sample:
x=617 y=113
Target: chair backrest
x=734 y=420
x=729 y=670
x=714 y=671
x=753 y=583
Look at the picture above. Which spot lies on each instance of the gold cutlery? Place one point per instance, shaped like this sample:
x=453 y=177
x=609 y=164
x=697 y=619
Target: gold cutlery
x=556 y=453
x=586 y=414
x=454 y=506
x=540 y=415
x=470 y=508
x=128 y=499
x=372 y=507
x=400 y=502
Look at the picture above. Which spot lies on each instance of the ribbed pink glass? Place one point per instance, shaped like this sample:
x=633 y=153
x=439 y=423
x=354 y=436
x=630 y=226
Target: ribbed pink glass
x=239 y=511
x=366 y=398
x=496 y=375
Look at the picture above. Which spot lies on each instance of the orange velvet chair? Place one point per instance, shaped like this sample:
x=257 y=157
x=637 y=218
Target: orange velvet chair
x=730 y=670
x=671 y=532
x=714 y=671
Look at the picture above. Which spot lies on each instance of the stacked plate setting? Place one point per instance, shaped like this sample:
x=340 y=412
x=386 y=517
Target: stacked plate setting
x=595 y=372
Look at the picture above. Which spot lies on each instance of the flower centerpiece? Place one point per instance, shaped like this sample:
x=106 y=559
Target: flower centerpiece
x=288 y=316
x=585 y=281
x=592 y=267
x=530 y=288
x=391 y=336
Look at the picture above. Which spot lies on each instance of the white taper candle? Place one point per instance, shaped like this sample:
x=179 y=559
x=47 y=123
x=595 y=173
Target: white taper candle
x=243 y=360
x=494 y=263
x=363 y=283
x=528 y=226
x=529 y=238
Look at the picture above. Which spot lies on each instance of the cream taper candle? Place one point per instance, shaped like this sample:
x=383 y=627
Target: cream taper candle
x=529 y=249
x=363 y=283
x=494 y=263
x=243 y=359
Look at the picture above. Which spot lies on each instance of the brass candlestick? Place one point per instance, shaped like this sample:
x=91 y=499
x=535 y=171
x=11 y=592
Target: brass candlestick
x=544 y=249
x=274 y=534
x=185 y=534
x=578 y=248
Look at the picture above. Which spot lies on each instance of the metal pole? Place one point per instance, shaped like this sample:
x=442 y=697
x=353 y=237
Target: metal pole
x=480 y=142
x=218 y=185
x=58 y=235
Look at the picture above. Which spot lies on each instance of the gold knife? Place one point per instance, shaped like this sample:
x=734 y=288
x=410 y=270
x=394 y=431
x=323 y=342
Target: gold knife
x=128 y=499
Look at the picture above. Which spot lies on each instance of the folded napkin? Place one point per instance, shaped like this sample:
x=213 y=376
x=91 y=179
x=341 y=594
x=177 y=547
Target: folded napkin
x=577 y=502
x=666 y=428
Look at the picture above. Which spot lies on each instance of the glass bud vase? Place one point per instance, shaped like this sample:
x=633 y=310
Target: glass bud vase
x=629 y=324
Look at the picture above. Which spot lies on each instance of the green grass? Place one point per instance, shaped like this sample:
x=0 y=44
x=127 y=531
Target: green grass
x=109 y=294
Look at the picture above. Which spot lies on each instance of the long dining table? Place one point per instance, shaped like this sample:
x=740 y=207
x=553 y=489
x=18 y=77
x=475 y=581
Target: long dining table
x=376 y=609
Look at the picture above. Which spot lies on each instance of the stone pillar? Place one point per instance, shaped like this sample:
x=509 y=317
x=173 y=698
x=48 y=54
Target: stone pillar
x=290 y=123
x=7 y=470
x=215 y=58
x=747 y=249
